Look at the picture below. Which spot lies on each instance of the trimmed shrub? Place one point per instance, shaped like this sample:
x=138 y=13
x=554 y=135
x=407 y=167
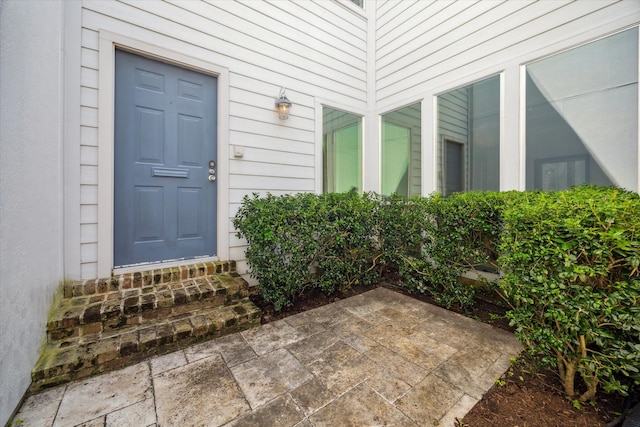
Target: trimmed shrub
x=454 y=234
x=570 y=262
x=571 y=271
x=303 y=241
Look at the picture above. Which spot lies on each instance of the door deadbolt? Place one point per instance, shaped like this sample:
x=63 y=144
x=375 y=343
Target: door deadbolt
x=212 y=170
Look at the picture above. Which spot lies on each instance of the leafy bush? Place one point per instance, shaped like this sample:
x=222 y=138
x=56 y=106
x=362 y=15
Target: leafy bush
x=306 y=241
x=401 y=226
x=454 y=234
x=571 y=263
x=337 y=240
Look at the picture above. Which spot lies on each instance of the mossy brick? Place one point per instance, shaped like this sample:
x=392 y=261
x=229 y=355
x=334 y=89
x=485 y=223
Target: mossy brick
x=147 y=279
x=102 y=287
x=111 y=309
x=106 y=350
x=164 y=299
x=215 y=301
x=179 y=296
x=61 y=333
x=166 y=275
x=179 y=285
x=133 y=320
x=117 y=363
x=84 y=340
x=68 y=289
x=199 y=323
x=113 y=296
x=130 y=305
x=206 y=290
x=198 y=281
x=77 y=290
x=67 y=317
x=147 y=302
x=91 y=328
x=202 y=270
x=90 y=287
x=219 y=287
x=164 y=312
x=149 y=315
x=148 y=338
x=66 y=361
x=232 y=288
x=137 y=280
x=254 y=313
x=77 y=301
x=164 y=333
x=239 y=310
x=131 y=293
x=113 y=324
x=182 y=328
x=92 y=313
x=157 y=277
x=187 y=308
x=214 y=321
x=128 y=343
x=194 y=293
x=96 y=298
x=228 y=317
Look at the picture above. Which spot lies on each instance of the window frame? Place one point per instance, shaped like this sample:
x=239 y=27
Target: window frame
x=328 y=139
x=522 y=124
x=439 y=139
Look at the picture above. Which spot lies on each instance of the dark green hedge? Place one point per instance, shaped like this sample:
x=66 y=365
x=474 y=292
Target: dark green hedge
x=303 y=241
x=571 y=272
x=569 y=259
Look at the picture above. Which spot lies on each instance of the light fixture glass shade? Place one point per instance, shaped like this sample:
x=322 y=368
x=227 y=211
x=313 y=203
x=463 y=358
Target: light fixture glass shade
x=283 y=105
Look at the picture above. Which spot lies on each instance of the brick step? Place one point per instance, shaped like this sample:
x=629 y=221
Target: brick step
x=114 y=309
x=81 y=356
x=153 y=276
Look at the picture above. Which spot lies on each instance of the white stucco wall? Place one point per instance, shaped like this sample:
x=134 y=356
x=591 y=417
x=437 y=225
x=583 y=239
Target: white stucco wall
x=30 y=186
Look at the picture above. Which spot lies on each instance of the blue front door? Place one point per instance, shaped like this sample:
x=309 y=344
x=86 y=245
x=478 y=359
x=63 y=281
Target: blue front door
x=165 y=162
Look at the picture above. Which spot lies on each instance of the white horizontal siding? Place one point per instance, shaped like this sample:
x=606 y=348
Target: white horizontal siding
x=89 y=152
x=463 y=38
x=315 y=49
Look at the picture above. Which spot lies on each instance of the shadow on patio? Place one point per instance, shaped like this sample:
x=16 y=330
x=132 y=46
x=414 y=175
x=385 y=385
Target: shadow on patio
x=377 y=358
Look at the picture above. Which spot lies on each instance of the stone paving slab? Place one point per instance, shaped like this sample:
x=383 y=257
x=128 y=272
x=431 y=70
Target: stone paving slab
x=376 y=359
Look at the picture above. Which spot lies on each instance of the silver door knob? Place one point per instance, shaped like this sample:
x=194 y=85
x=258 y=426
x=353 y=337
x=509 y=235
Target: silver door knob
x=212 y=178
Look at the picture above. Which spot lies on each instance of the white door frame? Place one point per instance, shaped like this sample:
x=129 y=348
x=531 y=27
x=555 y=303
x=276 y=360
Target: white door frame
x=106 y=102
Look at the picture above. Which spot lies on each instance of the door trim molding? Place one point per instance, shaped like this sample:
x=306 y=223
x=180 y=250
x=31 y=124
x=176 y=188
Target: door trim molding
x=106 y=102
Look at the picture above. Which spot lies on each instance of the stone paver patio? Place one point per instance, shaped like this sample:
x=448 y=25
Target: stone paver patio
x=376 y=359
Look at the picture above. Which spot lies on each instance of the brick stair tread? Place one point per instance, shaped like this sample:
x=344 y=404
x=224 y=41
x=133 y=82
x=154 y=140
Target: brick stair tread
x=87 y=314
x=82 y=356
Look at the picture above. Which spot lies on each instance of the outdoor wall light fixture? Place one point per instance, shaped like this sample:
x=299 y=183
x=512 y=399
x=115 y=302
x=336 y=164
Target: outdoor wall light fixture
x=283 y=105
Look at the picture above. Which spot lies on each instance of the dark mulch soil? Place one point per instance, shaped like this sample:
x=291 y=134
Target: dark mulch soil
x=522 y=398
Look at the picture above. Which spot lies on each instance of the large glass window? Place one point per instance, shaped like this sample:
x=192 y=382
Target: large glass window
x=582 y=116
x=342 y=151
x=469 y=138
x=400 y=161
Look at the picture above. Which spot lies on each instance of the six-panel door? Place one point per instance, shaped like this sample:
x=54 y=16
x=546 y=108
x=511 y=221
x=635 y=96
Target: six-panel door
x=165 y=146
